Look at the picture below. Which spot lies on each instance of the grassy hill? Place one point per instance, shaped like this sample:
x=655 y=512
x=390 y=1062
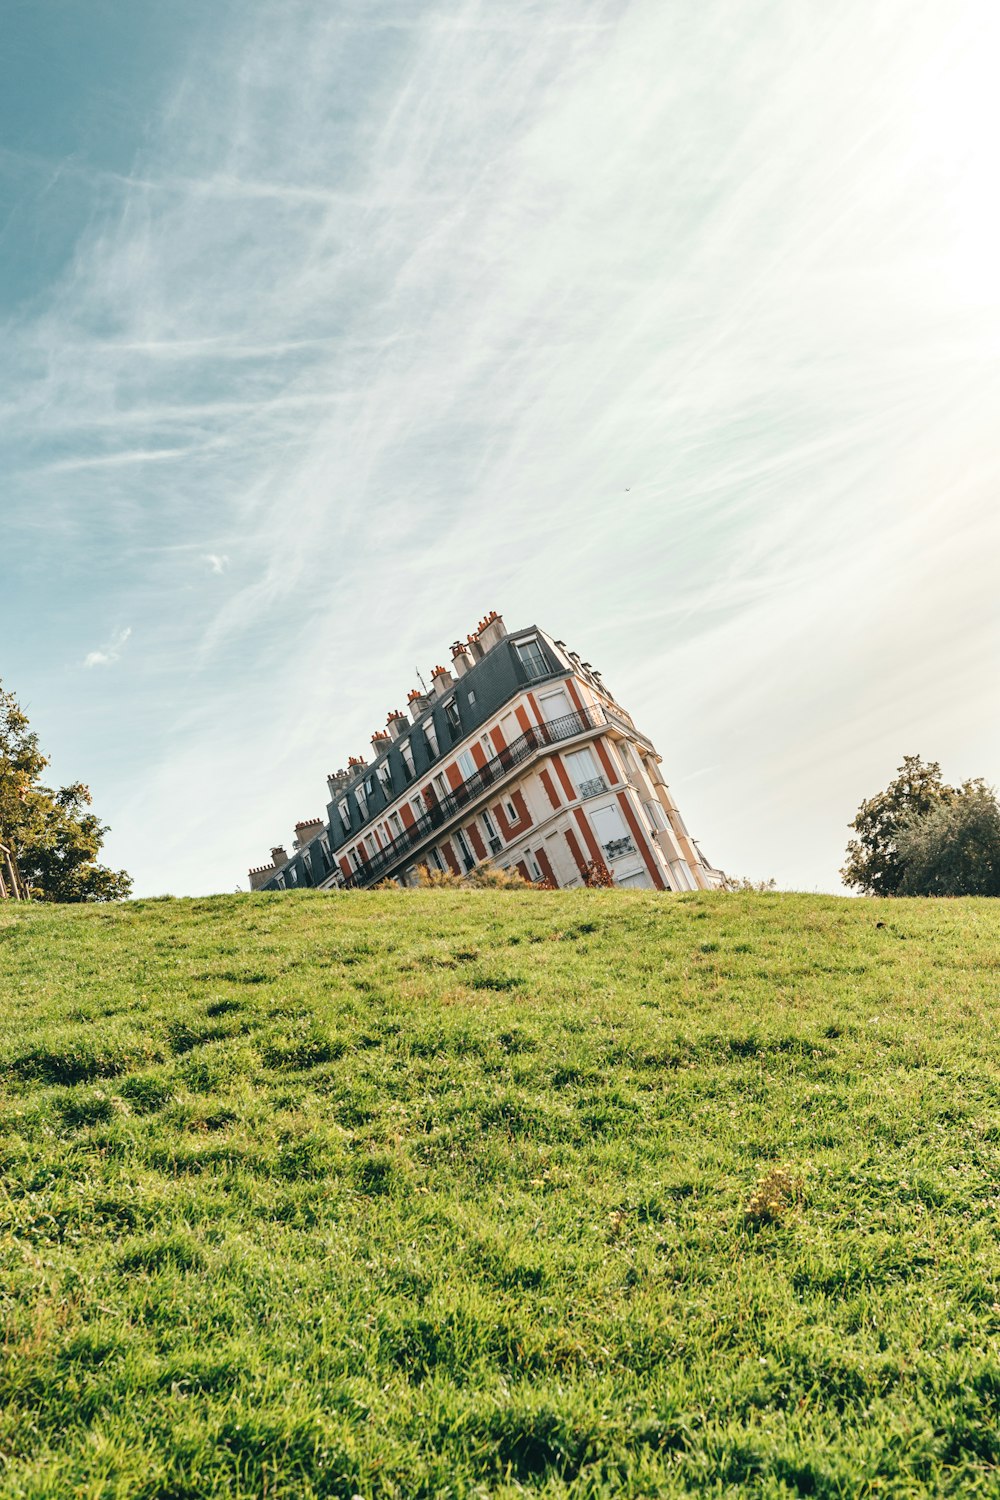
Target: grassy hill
x=456 y=1194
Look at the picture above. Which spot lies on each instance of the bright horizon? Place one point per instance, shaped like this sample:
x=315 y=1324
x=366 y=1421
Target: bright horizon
x=327 y=329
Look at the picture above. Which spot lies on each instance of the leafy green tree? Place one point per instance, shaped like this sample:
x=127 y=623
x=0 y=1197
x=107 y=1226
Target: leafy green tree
x=953 y=849
x=873 y=863
x=54 y=836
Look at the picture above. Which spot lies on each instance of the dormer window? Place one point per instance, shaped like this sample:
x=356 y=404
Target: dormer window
x=385 y=780
x=531 y=656
x=430 y=735
x=451 y=714
x=407 y=753
x=345 y=815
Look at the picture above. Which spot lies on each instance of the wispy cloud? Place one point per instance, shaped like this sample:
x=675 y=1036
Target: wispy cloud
x=109 y=653
x=394 y=311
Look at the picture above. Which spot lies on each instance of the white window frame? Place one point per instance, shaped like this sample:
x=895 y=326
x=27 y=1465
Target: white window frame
x=526 y=642
x=467 y=765
x=406 y=751
x=591 y=785
x=465 y=849
x=431 y=736
x=491 y=831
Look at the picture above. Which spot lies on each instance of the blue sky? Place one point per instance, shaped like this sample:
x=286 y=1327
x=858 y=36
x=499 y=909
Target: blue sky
x=329 y=326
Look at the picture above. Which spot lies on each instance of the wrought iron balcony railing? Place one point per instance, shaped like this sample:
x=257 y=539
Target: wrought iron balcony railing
x=441 y=812
x=615 y=848
x=592 y=788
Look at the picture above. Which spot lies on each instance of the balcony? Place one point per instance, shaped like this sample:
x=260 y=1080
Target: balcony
x=592 y=788
x=615 y=848
x=441 y=813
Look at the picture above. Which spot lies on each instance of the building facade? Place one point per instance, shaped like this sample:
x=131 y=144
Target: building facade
x=518 y=755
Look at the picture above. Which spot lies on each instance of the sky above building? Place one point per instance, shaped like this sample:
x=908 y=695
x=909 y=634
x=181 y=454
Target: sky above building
x=330 y=325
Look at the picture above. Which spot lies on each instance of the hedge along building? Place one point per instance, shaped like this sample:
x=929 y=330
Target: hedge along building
x=518 y=756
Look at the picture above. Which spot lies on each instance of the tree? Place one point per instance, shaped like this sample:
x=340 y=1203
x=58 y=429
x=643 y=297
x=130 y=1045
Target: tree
x=873 y=858
x=55 y=839
x=954 y=848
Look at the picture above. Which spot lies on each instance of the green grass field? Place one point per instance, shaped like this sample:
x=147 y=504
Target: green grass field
x=478 y=1193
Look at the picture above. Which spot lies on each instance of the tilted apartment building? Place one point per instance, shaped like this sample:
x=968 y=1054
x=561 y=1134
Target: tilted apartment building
x=518 y=755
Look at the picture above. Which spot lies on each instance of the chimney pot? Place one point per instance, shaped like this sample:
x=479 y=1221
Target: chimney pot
x=491 y=630
x=441 y=681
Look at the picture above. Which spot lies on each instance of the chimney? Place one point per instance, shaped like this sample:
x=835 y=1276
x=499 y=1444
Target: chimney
x=355 y=763
x=460 y=658
x=418 y=703
x=259 y=875
x=380 y=741
x=307 y=830
x=279 y=856
x=491 y=631
x=397 y=723
x=475 y=648
x=337 y=781
x=441 y=681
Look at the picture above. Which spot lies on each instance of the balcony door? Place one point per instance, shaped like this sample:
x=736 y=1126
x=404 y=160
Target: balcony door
x=555 y=705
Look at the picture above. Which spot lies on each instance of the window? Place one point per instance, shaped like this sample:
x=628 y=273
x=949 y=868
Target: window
x=418 y=805
x=451 y=714
x=385 y=778
x=532 y=658
x=490 y=829
x=430 y=735
x=352 y=855
x=466 y=765
x=345 y=815
x=612 y=835
x=396 y=825
x=534 y=867
x=435 y=859
x=586 y=775
x=362 y=802
x=464 y=851
x=472 y=697
x=371 y=845
x=510 y=811
x=440 y=786
x=657 y=817
x=628 y=760
x=407 y=755
x=555 y=706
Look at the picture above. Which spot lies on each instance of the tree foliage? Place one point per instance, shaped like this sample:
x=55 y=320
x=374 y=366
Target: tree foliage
x=54 y=836
x=954 y=849
x=874 y=865
x=922 y=837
